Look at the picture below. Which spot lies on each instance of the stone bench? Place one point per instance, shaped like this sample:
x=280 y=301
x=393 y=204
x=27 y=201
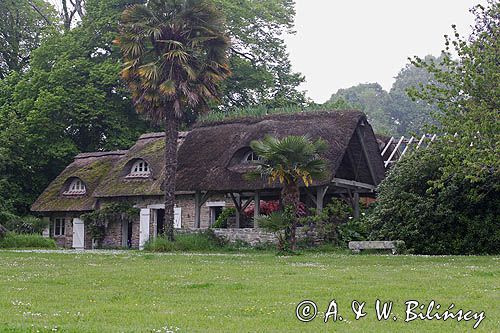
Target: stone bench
x=356 y=247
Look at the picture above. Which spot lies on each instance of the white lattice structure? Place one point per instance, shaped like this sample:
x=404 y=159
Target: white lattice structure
x=396 y=148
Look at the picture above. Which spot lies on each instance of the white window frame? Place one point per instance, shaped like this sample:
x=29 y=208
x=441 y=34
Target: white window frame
x=76 y=187
x=62 y=227
x=250 y=157
x=140 y=169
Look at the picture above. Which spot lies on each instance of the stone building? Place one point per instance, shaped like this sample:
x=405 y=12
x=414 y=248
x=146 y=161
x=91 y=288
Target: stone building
x=212 y=160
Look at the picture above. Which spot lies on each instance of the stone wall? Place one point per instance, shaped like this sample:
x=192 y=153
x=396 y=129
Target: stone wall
x=248 y=235
x=114 y=235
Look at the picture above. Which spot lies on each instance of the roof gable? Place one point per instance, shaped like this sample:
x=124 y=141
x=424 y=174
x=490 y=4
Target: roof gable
x=90 y=168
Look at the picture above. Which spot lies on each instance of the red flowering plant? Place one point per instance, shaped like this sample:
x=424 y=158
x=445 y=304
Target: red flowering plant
x=268 y=207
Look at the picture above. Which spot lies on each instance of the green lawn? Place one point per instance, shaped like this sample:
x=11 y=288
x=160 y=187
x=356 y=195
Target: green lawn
x=248 y=292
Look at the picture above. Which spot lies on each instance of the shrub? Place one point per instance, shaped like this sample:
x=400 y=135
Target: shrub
x=458 y=217
x=280 y=224
x=13 y=240
x=354 y=230
x=203 y=241
x=22 y=225
x=226 y=213
x=325 y=226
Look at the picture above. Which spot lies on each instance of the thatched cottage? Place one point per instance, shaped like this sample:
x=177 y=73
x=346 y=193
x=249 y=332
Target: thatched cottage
x=212 y=160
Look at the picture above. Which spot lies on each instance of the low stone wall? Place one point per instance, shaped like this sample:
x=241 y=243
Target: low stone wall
x=248 y=235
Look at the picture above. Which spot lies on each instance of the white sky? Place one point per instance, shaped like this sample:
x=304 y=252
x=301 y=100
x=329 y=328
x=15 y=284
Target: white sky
x=340 y=43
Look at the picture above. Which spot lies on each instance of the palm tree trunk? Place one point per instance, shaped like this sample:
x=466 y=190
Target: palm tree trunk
x=291 y=197
x=171 y=135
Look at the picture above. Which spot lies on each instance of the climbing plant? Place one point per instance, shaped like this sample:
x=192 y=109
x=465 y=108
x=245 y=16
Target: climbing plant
x=97 y=222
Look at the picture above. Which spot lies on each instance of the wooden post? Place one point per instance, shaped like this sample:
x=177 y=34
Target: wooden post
x=238 y=210
x=197 y=209
x=256 y=211
x=356 y=204
x=320 y=195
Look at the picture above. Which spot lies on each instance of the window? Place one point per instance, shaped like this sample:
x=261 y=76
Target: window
x=139 y=169
x=251 y=157
x=76 y=187
x=59 y=227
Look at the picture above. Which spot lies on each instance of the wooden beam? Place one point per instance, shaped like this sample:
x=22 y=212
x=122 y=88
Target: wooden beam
x=320 y=195
x=355 y=166
x=406 y=148
x=356 y=204
x=365 y=153
x=388 y=145
x=237 y=203
x=351 y=184
x=256 y=210
x=197 y=209
x=199 y=200
x=386 y=163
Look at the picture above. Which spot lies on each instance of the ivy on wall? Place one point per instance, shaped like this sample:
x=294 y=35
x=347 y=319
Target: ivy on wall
x=97 y=222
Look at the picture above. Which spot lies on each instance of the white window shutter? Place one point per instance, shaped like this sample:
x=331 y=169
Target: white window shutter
x=144 y=219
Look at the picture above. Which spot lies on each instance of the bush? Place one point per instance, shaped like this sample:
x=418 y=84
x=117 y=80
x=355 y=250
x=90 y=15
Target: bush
x=226 y=213
x=458 y=217
x=13 y=241
x=354 y=230
x=203 y=241
x=22 y=225
x=325 y=226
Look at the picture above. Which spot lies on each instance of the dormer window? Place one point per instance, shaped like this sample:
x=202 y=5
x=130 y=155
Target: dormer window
x=140 y=169
x=76 y=187
x=251 y=157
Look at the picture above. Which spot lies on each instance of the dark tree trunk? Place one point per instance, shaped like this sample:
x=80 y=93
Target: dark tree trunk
x=3 y=231
x=291 y=197
x=171 y=134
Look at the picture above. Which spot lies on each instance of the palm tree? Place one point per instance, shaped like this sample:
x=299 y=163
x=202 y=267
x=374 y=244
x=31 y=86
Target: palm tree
x=290 y=161
x=175 y=58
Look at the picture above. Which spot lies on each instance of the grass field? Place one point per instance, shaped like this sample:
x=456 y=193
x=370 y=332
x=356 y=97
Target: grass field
x=247 y=292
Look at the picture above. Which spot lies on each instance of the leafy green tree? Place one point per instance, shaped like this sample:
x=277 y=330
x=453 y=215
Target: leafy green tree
x=70 y=100
x=445 y=199
x=175 y=57
x=290 y=161
x=393 y=112
x=262 y=73
x=411 y=116
x=24 y=24
x=373 y=100
x=467 y=93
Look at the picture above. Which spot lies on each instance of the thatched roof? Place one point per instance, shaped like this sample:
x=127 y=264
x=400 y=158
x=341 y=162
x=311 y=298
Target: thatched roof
x=210 y=158
x=149 y=147
x=90 y=168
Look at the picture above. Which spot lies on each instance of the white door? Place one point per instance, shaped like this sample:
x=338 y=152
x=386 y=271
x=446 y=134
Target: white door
x=177 y=217
x=144 y=226
x=78 y=234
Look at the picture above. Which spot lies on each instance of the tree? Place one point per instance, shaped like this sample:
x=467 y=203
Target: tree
x=394 y=112
x=262 y=73
x=373 y=100
x=467 y=93
x=290 y=161
x=24 y=24
x=445 y=199
x=174 y=59
x=411 y=116
x=69 y=100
